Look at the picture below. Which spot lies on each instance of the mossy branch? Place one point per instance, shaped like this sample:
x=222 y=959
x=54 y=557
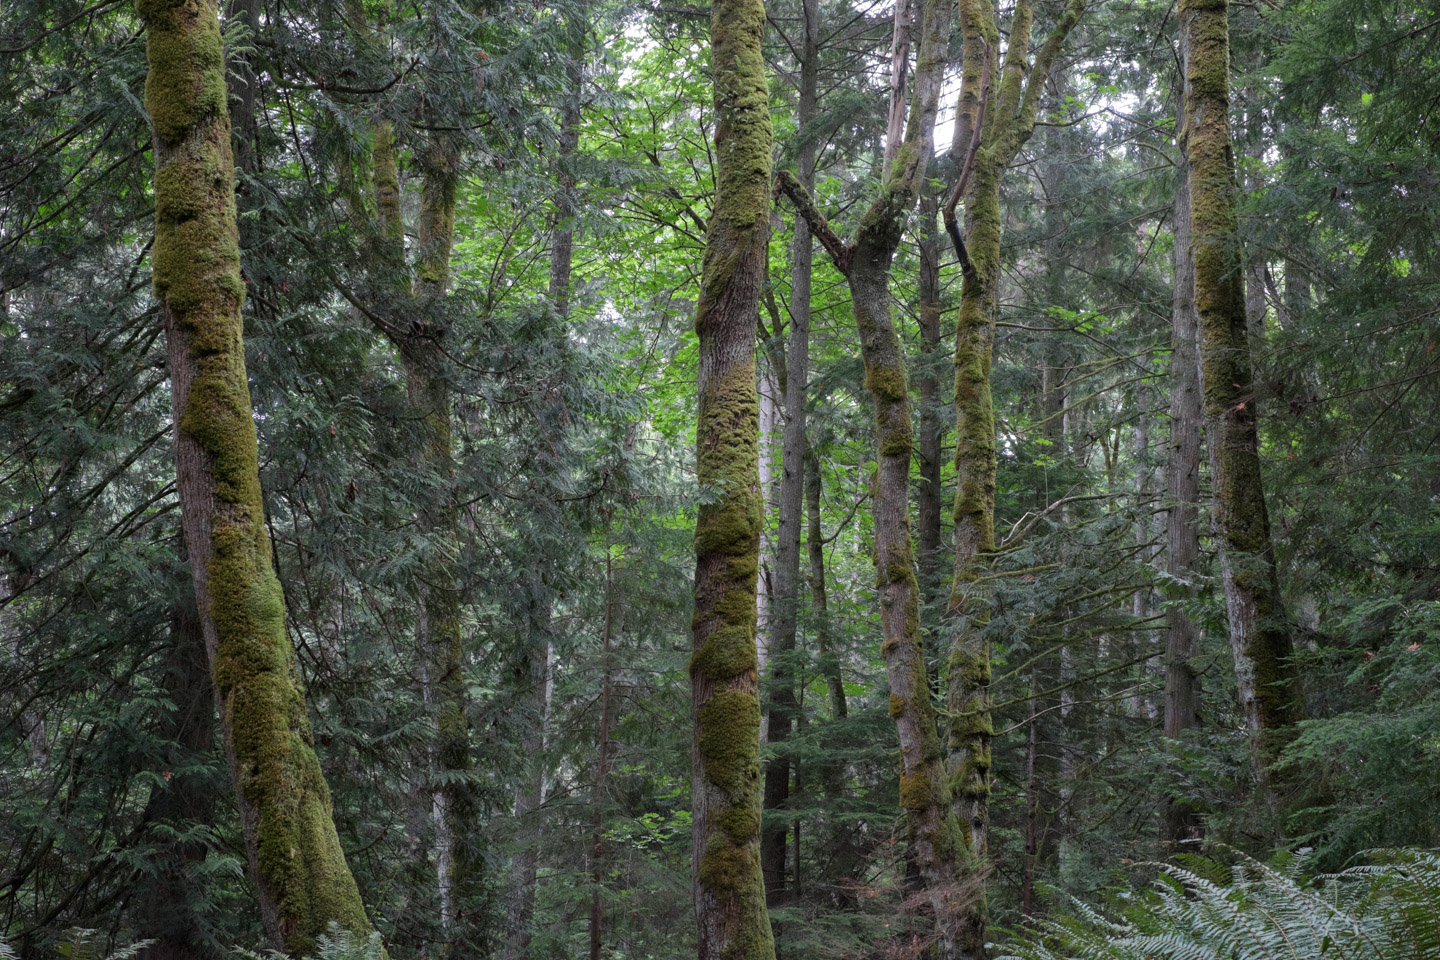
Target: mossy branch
x=840 y=253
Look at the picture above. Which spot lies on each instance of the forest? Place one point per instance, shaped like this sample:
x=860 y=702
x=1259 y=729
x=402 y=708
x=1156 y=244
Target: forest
x=816 y=479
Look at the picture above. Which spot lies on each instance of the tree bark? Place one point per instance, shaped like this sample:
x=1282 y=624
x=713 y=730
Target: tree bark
x=1182 y=481
x=924 y=791
x=1008 y=115
x=1259 y=634
x=785 y=604
x=819 y=599
x=726 y=790
x=932 y=421
x=301 y=878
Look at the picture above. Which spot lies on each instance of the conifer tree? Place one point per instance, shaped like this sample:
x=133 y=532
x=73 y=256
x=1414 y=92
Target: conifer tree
x=1259 y=633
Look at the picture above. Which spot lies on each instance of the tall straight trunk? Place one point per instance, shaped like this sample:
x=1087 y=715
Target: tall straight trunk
x=440 y=638
x=1182 y=482
x=932 y=421
x=786 y=600
x=819 y=599
x=301 y=878
x=186 y=799
x=1259 y=634
x=726 y=789
x=867 y=263
x=1008 y=114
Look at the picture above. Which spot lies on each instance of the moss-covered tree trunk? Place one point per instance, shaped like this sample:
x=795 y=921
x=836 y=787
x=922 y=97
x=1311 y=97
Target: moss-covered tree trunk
x=785 y=604
x=301 y=878
x=726 y=793
x=1003 y=126
x=1182 y=494
x=933 y=404
x=819 y=596
x=1259 y=634
x=458 y=860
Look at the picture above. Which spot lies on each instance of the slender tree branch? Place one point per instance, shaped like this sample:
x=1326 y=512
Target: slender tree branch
x=787 y=184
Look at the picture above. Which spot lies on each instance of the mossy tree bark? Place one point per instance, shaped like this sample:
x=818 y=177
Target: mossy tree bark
x=819 y=597
x=867 y=263
x=933 y=403
x=1003 y=118
x=440 y=637
x=1182 y=482
x=301 y=878
x=726 y=794
x=1259 y=633
x=782 y=702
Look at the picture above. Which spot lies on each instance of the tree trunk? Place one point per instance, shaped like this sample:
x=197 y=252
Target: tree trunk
x=1182 y=481
x=726 y=792
x=924 y=792
x=301 y=878
x=785 y=603
x=1259 y=634
x=614 y=627
x=932 y=421
x=819 y=601
x=1009 y=120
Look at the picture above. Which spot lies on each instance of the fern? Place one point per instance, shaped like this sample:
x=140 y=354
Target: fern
x=1387 y=910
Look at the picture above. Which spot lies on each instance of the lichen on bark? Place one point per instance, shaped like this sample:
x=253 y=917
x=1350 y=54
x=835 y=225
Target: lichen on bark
x=301 y=877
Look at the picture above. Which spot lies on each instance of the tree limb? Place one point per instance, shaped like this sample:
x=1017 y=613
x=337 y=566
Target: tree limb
x=786 y=183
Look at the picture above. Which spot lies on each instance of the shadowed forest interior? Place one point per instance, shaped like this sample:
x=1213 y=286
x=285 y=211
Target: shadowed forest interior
x=816 y=479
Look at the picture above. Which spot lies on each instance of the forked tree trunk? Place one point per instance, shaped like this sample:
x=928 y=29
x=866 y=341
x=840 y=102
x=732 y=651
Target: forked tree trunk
x=1008 y=121
x=726 y=793
x=1259 y=634
x=867 y=263
x=301 y=878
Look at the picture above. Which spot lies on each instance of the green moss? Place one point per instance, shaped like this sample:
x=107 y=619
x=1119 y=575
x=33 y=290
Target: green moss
x=195 y=263
x=897 y=706
x=729 y=739
x=887 y=383
x=728 y=652
x=915 y=792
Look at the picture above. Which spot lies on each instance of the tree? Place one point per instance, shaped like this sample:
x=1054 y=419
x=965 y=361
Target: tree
x=1259 y=634
x=992 y=126
x=728 y=795
x=299 y=869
